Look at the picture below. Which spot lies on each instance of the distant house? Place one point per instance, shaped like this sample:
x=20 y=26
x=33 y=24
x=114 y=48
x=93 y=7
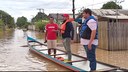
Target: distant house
x=110 y=15
x=58 y=16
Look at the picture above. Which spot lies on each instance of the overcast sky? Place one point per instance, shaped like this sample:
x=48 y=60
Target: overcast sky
x=28 y=8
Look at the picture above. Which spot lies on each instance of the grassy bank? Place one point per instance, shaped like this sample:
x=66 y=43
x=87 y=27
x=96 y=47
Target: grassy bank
x=7 y=32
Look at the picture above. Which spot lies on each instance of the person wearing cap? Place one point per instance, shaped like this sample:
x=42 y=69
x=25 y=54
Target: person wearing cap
x=89 y=37
x=67 y=35
x=51 y=35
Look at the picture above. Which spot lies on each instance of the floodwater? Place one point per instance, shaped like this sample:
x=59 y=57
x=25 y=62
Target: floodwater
x=14 y=57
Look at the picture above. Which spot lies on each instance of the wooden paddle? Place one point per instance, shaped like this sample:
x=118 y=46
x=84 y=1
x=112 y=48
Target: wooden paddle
x=40 y=44
x=31 y=45
x=24 y=46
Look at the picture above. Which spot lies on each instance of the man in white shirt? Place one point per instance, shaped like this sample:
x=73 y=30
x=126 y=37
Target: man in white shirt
x=89 y=37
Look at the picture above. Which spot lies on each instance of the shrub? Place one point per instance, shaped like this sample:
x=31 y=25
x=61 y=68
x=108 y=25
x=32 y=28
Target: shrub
x=40 y=25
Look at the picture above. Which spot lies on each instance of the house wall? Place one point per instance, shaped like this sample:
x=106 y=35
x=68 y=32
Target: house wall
x=118 y=36
x=124 y=20
x=103 y=35
x=112 y=35
x=31 y=27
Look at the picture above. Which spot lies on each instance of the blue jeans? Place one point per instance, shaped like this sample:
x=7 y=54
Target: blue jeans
x=91 y=56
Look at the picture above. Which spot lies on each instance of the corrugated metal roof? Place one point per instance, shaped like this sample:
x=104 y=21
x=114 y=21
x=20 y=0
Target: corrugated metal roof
x=110 y=13
x=124 y=12
x=117 y=17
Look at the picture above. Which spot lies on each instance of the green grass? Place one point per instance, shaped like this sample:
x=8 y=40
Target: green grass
x=7 y=30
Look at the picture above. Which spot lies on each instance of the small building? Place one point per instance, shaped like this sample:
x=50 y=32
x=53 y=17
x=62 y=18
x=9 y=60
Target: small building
x=110 y=15
x=113 y=28
x=58 y=16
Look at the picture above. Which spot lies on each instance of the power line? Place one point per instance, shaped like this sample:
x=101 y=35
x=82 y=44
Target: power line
x=93 y=5
x=99 y=3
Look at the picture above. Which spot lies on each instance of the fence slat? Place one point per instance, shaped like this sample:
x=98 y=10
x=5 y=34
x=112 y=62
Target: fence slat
x=113 y=36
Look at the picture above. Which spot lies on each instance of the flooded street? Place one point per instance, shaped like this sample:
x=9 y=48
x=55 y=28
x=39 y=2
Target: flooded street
x=13 y=57
x=80 y=26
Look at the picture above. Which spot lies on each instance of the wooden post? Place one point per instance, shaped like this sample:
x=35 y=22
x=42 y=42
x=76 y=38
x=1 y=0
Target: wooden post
x=57 y=18
x=76 y=35
x=73 y=9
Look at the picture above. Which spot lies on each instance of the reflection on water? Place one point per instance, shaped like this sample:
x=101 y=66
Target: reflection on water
x=13 y=57
x=116 y=58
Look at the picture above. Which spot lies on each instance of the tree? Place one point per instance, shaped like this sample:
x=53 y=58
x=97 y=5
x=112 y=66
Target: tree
x=40 y=25
x=21 y=21
x=1 y=23
x=7 y=19
x=111 y=5
x=10 y=22
x=40 y=16
x=26 y=25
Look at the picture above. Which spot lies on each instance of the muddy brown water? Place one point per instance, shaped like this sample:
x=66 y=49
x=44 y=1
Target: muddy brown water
x=13 y=57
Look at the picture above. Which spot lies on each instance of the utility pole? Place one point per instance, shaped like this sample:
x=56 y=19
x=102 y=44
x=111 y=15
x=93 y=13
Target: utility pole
x=92 y=4
x=41 y=9
x=57 y=17
x=76 y=35
x=73 y=9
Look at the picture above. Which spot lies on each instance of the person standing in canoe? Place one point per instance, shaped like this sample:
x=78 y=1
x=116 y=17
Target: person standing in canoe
x=51 y=35
x=89 y=37
x=67 y=32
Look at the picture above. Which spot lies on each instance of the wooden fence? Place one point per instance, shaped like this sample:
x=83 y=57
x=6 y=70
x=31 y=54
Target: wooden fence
x=113 y=36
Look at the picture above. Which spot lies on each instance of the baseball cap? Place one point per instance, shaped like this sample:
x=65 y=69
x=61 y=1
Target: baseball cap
x=65 y=15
